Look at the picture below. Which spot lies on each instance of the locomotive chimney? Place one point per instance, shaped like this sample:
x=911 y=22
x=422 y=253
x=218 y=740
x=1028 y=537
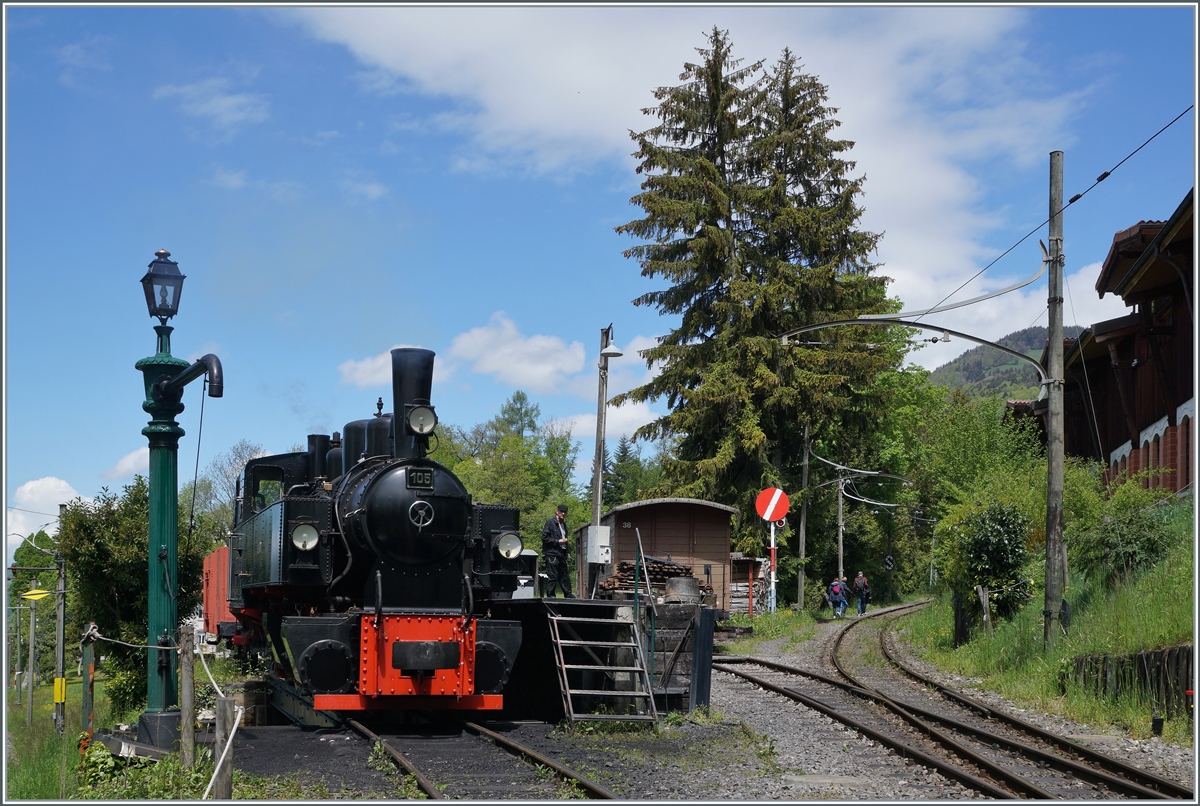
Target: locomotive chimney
x=412 y=382
x=318 y=448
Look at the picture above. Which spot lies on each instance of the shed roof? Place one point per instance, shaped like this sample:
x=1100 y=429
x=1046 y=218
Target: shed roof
x=635 y=504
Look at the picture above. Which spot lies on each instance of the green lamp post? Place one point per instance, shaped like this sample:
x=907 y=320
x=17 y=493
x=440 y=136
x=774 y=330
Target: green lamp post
x=165 y=376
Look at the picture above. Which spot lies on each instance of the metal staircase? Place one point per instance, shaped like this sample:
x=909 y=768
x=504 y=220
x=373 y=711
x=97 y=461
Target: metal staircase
x=601 y=671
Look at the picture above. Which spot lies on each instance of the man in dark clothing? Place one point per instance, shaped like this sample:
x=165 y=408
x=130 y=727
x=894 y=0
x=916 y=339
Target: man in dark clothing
x=862 y=589
x=554 y=552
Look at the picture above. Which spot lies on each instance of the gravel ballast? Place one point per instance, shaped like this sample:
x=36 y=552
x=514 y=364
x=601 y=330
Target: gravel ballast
x=759 y=746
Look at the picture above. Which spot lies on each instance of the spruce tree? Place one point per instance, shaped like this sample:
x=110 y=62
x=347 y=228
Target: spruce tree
x=627 y=474
x=751 y=216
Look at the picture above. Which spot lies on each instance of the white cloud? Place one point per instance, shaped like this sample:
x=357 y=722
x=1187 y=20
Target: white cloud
x=208 y=347
x=321 y=138
x=79 y=57
x=926 y=94
x=35 y=506
x=137 y=461
x=368 y=190
x=210 y=100
x=232 y=180
x=534 y=363
x=1017 y=310
x=618 y=420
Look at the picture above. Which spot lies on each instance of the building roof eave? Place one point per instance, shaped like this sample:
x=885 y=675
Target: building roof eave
x=1170 y=229
x=649 y=502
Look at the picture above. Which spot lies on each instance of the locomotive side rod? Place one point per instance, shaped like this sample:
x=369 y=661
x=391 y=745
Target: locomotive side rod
x=592 y=789
x=424 y=783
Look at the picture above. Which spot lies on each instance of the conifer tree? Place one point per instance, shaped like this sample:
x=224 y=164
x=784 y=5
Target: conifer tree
x=751 y=216
x=628 y=474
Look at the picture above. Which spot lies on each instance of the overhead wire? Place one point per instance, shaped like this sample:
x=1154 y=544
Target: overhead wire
x=1070 y=202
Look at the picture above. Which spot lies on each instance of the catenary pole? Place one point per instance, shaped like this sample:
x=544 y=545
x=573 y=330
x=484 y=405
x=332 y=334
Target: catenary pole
x=803 y=520
x=1054 y=417
x=598 y=468
x=32 y=659
x=60 y=680
x=841 y=527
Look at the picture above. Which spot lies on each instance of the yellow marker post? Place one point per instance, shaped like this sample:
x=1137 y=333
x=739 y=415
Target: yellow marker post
x=60 y=689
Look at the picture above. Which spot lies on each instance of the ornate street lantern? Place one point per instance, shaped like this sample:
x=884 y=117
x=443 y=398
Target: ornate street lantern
x=163 y=284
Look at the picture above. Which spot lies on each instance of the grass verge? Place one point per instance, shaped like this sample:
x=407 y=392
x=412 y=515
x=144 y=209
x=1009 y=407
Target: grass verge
x=1151 y=610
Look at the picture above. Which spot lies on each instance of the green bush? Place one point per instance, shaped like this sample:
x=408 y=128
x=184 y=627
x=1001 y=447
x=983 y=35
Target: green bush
x=107 y=778
x=126 y=690
x=995 y=554
x=1127 y=536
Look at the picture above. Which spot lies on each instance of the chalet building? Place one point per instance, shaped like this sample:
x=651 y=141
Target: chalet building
x=1129 y=394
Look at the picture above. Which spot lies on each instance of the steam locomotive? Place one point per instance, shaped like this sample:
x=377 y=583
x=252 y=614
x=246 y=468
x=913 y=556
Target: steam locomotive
x=364 y=570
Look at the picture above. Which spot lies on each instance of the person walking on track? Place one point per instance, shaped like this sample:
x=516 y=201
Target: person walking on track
x=837 y=596
x=862 y=590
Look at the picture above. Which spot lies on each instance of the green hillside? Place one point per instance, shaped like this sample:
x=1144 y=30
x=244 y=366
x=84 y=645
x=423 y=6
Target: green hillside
x=985 y=372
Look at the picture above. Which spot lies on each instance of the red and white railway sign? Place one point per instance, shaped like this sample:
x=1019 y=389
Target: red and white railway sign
x=771 y=504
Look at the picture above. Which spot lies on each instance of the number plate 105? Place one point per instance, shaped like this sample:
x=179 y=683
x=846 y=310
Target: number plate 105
x=420 y=478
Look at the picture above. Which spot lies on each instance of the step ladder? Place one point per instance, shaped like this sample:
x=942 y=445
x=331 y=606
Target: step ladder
x=601 y=670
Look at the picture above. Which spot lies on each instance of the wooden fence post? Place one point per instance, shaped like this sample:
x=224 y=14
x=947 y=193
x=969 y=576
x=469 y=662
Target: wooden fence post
x=983 y=592
x=187 y=699
x=223 y=785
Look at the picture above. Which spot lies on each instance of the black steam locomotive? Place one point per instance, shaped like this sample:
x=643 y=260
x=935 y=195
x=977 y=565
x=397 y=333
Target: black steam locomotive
x=365 y=570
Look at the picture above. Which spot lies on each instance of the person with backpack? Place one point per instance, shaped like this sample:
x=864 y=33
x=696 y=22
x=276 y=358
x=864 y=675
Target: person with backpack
x=837 y=597
x=862 y=589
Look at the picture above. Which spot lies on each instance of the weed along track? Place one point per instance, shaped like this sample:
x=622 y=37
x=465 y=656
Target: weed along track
x=464 y=760
x=860 y=687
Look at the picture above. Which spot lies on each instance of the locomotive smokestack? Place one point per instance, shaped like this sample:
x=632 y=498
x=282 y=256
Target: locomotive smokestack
x=412 y=382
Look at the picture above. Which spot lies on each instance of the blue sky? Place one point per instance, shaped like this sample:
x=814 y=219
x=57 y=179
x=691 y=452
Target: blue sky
x=336 y=182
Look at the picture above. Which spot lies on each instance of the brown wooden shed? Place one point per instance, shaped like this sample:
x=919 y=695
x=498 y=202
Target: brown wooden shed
x=687 y=530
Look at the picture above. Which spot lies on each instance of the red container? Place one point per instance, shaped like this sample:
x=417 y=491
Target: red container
x=216 y=592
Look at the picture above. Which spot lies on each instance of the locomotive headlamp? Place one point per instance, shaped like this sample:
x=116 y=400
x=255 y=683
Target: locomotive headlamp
x=509 y=545
x=163 y=284
x=305 y=537
x=421 y=420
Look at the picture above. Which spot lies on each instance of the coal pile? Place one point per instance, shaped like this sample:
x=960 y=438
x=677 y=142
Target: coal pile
x=656 y=568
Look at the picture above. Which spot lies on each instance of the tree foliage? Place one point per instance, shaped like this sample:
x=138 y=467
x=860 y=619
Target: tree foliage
x=629 y=476
x=512 y=460
x=36 y=551
x=106 y=544
x=751 y=215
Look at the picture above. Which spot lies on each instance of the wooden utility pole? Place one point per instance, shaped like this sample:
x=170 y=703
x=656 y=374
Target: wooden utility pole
x=1054 y=416
x=803 y=521
x=187 y=698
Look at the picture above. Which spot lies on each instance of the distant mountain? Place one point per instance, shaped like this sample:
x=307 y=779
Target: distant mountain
x=985 y=372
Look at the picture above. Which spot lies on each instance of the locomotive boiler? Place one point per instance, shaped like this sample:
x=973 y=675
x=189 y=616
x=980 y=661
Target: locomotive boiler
x=364 y=571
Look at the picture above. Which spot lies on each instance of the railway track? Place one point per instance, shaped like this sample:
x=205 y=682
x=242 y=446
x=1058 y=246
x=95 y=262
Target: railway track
x=959 y=740
x=1038 y=737
x=458 y=759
